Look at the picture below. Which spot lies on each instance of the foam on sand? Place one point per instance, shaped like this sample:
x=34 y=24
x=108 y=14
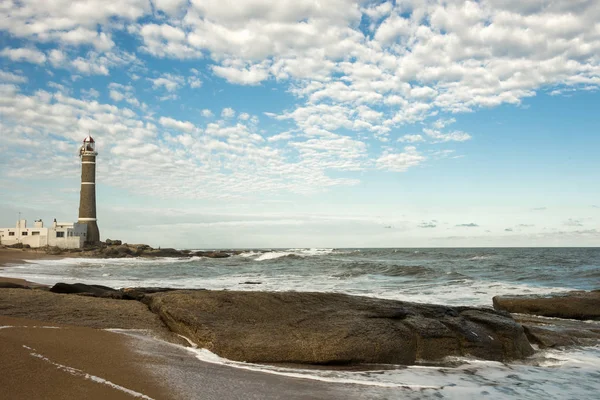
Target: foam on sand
x=85 y=375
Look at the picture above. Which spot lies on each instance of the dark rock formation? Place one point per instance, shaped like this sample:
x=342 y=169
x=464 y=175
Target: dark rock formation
x=546 y=332
x=117 y=249
x=573 y=305
x=87 y=290
x=328 y=328
x=11 y=285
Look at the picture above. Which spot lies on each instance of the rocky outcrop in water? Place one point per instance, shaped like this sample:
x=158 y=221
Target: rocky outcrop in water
x=328 y=328
x=573 y=305
x=116 y=249
x=552 y=332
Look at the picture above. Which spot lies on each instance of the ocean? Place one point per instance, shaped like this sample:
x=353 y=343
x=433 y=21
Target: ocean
x=443 y=276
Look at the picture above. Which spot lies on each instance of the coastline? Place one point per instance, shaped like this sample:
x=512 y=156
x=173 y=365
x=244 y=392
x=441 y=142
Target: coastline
x=149 y=327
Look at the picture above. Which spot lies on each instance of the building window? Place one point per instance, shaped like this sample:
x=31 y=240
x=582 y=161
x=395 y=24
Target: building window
x=23 y=233
x=11 y=234
x=35 y=233
x=60 y=234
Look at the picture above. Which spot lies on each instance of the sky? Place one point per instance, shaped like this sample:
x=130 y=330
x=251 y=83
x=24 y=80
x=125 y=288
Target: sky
x=304 y=123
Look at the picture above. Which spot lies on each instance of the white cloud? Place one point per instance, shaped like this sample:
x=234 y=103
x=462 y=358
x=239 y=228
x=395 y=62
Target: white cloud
x=184 y=126
x=116 y=95
x=66 y=20
x=194 y=82
x=57 y=58
x=228 y=113
x=89 y=67
x=252 y=75
x=400 y=162
x=80 y=36
x=280 y=136
x=9 y=77
x=206 y=113
x=93 y=93
x=411 y=138
x=456 y=136
x=166 y=41
x=31 y=55
x=170 y=7
x=169 y=82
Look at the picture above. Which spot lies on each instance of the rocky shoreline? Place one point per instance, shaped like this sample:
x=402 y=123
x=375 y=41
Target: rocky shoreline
x=303 y=328
x=117 y=249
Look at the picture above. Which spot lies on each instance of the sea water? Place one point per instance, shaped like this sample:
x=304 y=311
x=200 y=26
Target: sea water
x=442 y=276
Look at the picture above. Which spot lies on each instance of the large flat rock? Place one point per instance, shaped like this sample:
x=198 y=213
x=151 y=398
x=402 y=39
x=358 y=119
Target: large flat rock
x=329 y=328
x=85 y=311
x=573 y=305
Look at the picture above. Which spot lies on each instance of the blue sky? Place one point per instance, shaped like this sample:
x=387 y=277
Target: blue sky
x=306 y=124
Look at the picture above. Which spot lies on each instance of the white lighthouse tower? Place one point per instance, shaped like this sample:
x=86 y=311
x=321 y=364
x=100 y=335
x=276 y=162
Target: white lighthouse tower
x=87 y=200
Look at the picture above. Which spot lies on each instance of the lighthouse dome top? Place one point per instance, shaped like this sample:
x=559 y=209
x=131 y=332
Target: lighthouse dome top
x=89 y=147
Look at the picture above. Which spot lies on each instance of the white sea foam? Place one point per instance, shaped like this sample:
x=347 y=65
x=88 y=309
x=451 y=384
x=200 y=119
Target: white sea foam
x=85 y=375
x=271 y=255
x=551 y=375
x=323 y=376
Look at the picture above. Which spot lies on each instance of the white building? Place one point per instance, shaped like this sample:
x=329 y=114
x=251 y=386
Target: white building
x=64 y=235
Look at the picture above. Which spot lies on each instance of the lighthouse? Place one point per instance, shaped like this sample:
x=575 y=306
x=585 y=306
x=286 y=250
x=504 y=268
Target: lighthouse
x=87 y=199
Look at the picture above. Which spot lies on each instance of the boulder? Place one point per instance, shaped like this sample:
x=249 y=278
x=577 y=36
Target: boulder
x=335 y=329
x=554 y=332
x=573 y=305
x=212 y=254
x=86 y=290
x=12 y=285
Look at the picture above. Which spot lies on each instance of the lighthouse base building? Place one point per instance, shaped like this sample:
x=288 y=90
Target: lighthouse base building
x=63 y=235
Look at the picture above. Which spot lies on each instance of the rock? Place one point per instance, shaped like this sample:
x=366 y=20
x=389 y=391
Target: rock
x=12 y=285
x=88 y=290
x=165 y=252
x=335 y=329
x=212 y=254
x=113 y=242
x=552 y=332
x=139 y=292
x=573 y=305
x=82 y=311
x=250 y=283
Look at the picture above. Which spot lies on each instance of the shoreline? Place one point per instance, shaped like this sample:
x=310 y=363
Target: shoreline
x=20 y=256
x=145 y=339
x=16 y=256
